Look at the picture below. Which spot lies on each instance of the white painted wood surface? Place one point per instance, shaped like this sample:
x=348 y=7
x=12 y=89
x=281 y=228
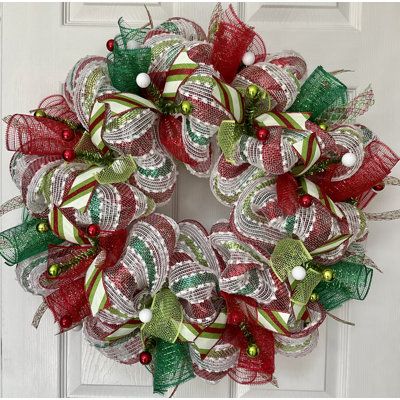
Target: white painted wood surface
x=40 y=43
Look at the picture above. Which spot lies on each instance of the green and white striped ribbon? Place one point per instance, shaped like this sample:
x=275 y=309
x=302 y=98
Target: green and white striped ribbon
x=94 y=285
x=299 y=310
x=96 y=124
x=204 y=339
x=181 y=68
x=81 y=190
x=330 y=245
x=116 y=104
x=63 y=227
x=309 y=150
x=230 y=99
x=294 y=120
x=313 y=190
x=125 y=329
x=275 y=321
x=122 y=102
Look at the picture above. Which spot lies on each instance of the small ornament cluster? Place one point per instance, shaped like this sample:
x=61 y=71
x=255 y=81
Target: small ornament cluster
x=294 y=167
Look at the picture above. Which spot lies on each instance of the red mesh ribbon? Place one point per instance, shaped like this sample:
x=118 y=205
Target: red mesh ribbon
x=114 y=244
x=57 y=107
x=37 y=135
x=286 y=189
x=257 y=370
x=379 y=160
x=69 y=301
x=231 y=41
x=62 y=255
x=170 y=130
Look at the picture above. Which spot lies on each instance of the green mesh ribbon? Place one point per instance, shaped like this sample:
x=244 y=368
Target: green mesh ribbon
x=119 y=171
x=26 y=215
x=131 y=35
x=24 y=241
x=319 y=92
x=351 y=281
x=127 y=59
x=304 y=288
x=228 y=134
x=172 y=365
x=167 y=317
x=287 y=254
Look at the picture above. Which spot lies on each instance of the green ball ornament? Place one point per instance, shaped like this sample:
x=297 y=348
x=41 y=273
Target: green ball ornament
x=323 y=127
x=327 y=275
x=54 y=270
x=314 y=297
x=42 y=227
x=252 y=350
x=252 y=91
x=39 y=113
x=186 y=107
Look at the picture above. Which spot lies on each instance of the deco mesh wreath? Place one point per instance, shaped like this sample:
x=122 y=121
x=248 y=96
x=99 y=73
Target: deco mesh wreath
x=296 y=171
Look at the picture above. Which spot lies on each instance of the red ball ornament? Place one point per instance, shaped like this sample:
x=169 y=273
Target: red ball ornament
x=93 y=230
x=262 y=133
x=67 y=134
x=379 y=186
x=235 y=318
x=110 y=44
x=66 y=322
x=145 y=357
x=68 y=154
x=305 y=200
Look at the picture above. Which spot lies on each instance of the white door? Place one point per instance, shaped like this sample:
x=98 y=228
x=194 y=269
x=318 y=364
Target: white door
x=41 y=42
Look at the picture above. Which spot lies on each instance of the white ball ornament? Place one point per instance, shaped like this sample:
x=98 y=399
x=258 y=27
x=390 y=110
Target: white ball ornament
x=299 y=273
x=143 y=80
x=248 y=58
x=145 y=315
x=349 y=159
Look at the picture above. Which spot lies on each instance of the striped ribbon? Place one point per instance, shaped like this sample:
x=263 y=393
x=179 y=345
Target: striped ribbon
x=330 y=245
x=230 y=99
x=81 y=189
x=64 y=228
x=299 y=311
x=125 y=329
x=96 y=124
x=181 y=68
x=313 y=190
x=94 y=285
x=310 y=152
x=294 y=120
x=275 y=321
x=115 y=104
x=204 y=339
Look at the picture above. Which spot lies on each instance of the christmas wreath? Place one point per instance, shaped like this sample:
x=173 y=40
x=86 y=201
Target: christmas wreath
x=94 y=164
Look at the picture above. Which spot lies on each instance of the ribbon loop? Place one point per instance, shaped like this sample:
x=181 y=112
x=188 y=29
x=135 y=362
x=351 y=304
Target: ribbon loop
x=119 y=171
x=167 y=317
x=25 y=240
x=228 y=135
x=287 y=254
